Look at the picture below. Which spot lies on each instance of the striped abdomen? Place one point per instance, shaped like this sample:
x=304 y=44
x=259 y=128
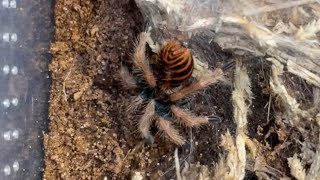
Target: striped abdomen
x=174 y=64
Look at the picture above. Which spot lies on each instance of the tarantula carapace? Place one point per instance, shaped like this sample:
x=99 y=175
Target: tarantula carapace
x=161 y=82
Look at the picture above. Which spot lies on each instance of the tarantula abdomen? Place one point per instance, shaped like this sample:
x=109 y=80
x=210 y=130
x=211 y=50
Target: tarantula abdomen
x=173 y=65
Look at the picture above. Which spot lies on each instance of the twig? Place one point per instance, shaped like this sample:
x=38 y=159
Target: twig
x=269 y=106
x=177 y=163
x=172 y=167
x=302 y=72
x=314 y=172
x=277 y=86
x=240 y=95
x=64 y=82
x=316 y=97
x=191 y=146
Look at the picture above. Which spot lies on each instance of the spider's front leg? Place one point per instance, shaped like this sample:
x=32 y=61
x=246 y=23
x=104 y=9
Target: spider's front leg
x=140 y=59
x=208 y=78
x=127 y=78
x=129 y=82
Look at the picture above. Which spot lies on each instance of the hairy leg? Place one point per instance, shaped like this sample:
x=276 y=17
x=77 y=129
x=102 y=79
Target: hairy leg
x=146 y=121
x=167 y=129
x=140 y=60
x=135 y=103
x=206 y=80
x=188 y=119
x=127 y=78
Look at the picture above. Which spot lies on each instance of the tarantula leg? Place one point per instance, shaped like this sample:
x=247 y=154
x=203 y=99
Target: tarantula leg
x=206 y=80
x=135 y=104
x=127 y=78
x=167 y=129
x=187 y=119
x=140 y=59
x=146 y=121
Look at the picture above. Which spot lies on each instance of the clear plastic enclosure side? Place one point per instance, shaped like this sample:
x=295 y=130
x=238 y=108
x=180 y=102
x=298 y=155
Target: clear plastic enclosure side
x=25 y=34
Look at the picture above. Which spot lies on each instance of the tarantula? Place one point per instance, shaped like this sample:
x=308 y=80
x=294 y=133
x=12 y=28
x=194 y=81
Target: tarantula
x=162 y=84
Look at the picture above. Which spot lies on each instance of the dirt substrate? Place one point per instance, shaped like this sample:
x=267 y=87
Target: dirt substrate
x=90 y=136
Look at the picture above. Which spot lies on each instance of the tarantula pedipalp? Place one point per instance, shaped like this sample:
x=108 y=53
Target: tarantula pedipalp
x=162 y=85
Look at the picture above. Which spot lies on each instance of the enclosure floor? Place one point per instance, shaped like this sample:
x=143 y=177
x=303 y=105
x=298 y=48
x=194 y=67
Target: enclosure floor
x=90 y=136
